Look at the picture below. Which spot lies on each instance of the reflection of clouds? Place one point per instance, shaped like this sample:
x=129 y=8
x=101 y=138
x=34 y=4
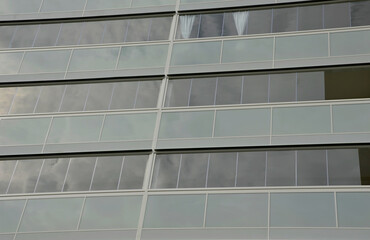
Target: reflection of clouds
x=107 y=4
x=94 y=59
x=25 y=176
x=80 y=174
x=107 y=173
x=52 y=175
x=193 y=170
x=143 y=56
x=19 y=6
x=10 y=62
x=6 y=171
x=6 y=98
x=133 y=172
x=148 y=94
x=45 y=61
x=222 y=170
x=166 y=171
x=25 y=99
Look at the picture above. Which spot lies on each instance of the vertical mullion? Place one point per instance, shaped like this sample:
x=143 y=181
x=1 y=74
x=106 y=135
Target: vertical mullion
x=178 y=173
x=38 y=178
x=11 y=178
x=93 y=175
x=120 y=174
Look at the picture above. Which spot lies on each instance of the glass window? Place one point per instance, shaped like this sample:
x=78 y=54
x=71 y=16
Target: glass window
x=193 y=170
x=251 y=169
x=147 y=94
x=349 y=43
x=202 y=91
x=6 y=35
x=147 y=3
x=283 y=87
x=50 y=99
x=281 y=167
x=47 y=35
x=177 y=94
x=133 y=171
x=52 y=175
x=107 y=173
x=10 y=212
x=255 y=89
x=259 y=21
x=246 y=122
x=160 y=28
x=79 y=174
x=45 y=61
x=228 y=90
x=23 y=131
x=229 y=28
x=166 y=171
x=138 y=30
x=360 y=12
x=25 y=176
x=351 y=118
x=188 y=27
x=107 y=4
x=302 y=210
x=115 y=31
x=353 y=209
x=196 y=53
x=7 y=95
x=186 y=124
x=222 y=170
x=74 y=98
x=92 y=32
x=6 y=172
x=364 y=155
x=10 y=62
x=24 y=36
x=150 y=56
x=124 y=95
x=285 y=19
x=237 y=210
x=94 y=59
x=344 y=167
x=336 y=15
x=75 y=129
x=311 y=168
x=211 y=25
x=111 y=212
x=174 y=211
x=19 y=6
x=62 y=5
x=99 y=96
x=70 y=34
x=51 y=214
x=310 y=17
x=25 y=100
x=311 y=86
x=81 y=235
x=124 y=127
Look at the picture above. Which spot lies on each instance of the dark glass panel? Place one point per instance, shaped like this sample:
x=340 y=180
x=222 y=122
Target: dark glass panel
x=166 y=170
x=138 y=30
x=79 y=174
x=310 y=17
x=25 y=100
x=99 y=96
x=70 y=34
x=6 y=35
x=147 y=95
x=194 y=31
x=229 y=25
x=285 y=19
x=7 y=95
x=255 y=89
x=6 y=172
x=283 y=87
x=160 y=29
x=336 y=15
x=251 y=169
x=47 y=35
x=311 y=168
x=74 y=98
x=115 y=31
x=133 y=172
x=24 y=36
x=124 y=95
x=107 y=173
x=52 y=175
x=364 y=155
x=92 y=32
x=178 y=93
x=360 y=12
x=344 y=167
x=211 y=25
x=281 y=168
x=50 y=99
x=202 y=91
x=25 y=176
x=229 y=90
x=193 y=170
x=259 y=21
x=222 y=170
x=311 y=86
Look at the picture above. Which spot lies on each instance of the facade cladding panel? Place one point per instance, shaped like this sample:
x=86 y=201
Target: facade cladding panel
x=184 y=119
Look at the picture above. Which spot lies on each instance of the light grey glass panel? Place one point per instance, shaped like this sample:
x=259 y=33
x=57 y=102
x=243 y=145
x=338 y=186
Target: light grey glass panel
x=283 y=87
x=70 y=33
x=166 y=171
x=107 y=172
x=306 y=46
x=193 y=170
x=111 y=212
x=202 y=91
x=124 y=127
x=301 y=120
x=10 y=62
x=311 y=86
x=45 y=61
x=25 y=100
x=24 y=36
x=248 y=122
x=160 y=28
x=138 y=30
x=51 y=214
x=229 y=28
x=256 y=89
x=237 y=210
x=247 y=50
x=349 y=43
x=222 y=170
x=168 y=211
x=311 y=168
x=52 y=175
x=229 y=90
x=351 y=118
x=25 y=176
x=133 y=171
x=90 y=235
x=259 y=21
x=177 y=94
x=94 y=59
x=6 y=172
x=115 y=31
x=124 y=95
x=147 y=3
x=147 y=95
x=47 y=35
x=99 y=97
x=310 y=17
x=6 y=35
x=107 y=4
x=251 y=169
x=7 y=95
x=344 y=167
x=10 y=212
x=302 y=210
x=285 y=19
x=92 y=32
x=62 y=5
x=196 y=53
x=281 y=167
x=23 y=131
x=186 y=124
x=211 y=25
x=336 y=15
x=50 y=99
x=79 y=174
x=318 y=234
x=74 y=98
x=353 y=209
x=150 y=56
x=360 y=12
x=185 y=33
x=19 y=6
x=75 y=129
x=7 y=237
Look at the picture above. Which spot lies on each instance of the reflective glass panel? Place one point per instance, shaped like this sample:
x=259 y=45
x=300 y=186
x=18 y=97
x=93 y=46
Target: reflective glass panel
x=211 y=25
x=70 y=34
x=283 y=87
x=360 y=12
x=107 y=173
x=10 y=212
x=25 y=100
x=47 y=35
x=92 y=32
x=150 y=56
x=107 y=4
x=45 y=61
x=251 y=169
x=74 y=98
x=52 y=176
x=124 y=95
x=80 y=174
x=24 y=36
x=310 y=17
x=50 y=99
x=147 y=94
x=6 y=35
x=90 y=235
x=193 y=170
x=281 y=167
x=228 y=90
x=222 y=170
x=166 y=171
x=6 y=172
x=202 y=91
x=99 y=96
x=19 y=6
x=25 y=176
x=7 y=95
x=285 y=19
x=351 y=118
x=353 y=209
x=195 y=53
x=138 y=30
x=336 y=15
x=10 y=62
x=62 y=5
x=311 y=168
x=344 y=167
x=132 y=175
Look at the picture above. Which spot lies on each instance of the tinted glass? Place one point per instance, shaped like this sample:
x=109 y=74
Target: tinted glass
x=311 y=168
x=47 y=35
x=138 y=30
x=79 y=174
x=107 y=4
x=160 y=28
x=107 y=173
x=25 y=176
x=283 y=87
x=92 y=32
x=353 y=209
x=360 y=12
x=124 y=95
x=228 y=90
x=81 y=235
x=70 y=34
x=311 y=86
x=344 y=167
x=147 y=94
x=285 y=19
x=133 y=171
x=6 y=35
x=52 y=175
x=45 y=61
x=229 y=28
x=150 y=56
x=6 y=172
x=115 y=31
x=203 y=91
x=7 y=95
x=256 y=89
x=281 y=168
x=50 y=99
x=351 y=118
x=336 y=15
x=166 y=171
x=74 y=98
x=62 y=5
x=222 y=170
x=20 y=6
x=310 y=17
x=211 y=25
x=259 y=21
x=195 y=53
x=10 y=212
x=99 y=96
x=10 y=62
x=193 y=170
x=251 y=169
x=24 y=36
x=178 y=93
x=25 y=100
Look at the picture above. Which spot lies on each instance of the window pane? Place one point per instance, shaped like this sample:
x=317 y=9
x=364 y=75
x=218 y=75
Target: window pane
x=75 y=129
x=138 y=30
x=92 y=32
x=259 y=21
x=236 y=210
x=99 y=97
x=133 y=171
x=222 y=170
x=211 y=25
x=147 y=95
x=196 y=53
x=285 y=19
x=281 y=168
x=51 y=214
x=166 y=171
x=70 y=34
x=310 y=17
x=74 y=97
x=185 y=29
x=6 y=35
x=178 y=93
x=351 y=118
x=228 y=90
x=25 y=176
x=111 y=212
x=115 y=31
x=79 y=174
x=6 y=172
x=124 y=95
x=364 y=155
x=174 y=211
x=107 y=4
x=52 y=175
x=45 y=61
x=90 y=235
x=336 y=15
x=7 y=95
x=302 y=210
x=160 y=28
x=344 y=167
x=10 y=212
x=25 y=100
x=10 y=62
x=107 y=173
x=353 y=209
x=202 y=91
x=256 y=89
x=19 y=6
x=150 y=56
x=311 y=168
x=24 y=36
x=147 y=3
x=283 y=87
x=47 y=35
x=360 y=12
x=251 y=169
x=311 y=86
x=349 y=43
x=229 y=28
x=193 y=170
x=50 y=99
x=62 y=5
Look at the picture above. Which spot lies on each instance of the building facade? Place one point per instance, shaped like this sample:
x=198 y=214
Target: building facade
x=184 y=119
